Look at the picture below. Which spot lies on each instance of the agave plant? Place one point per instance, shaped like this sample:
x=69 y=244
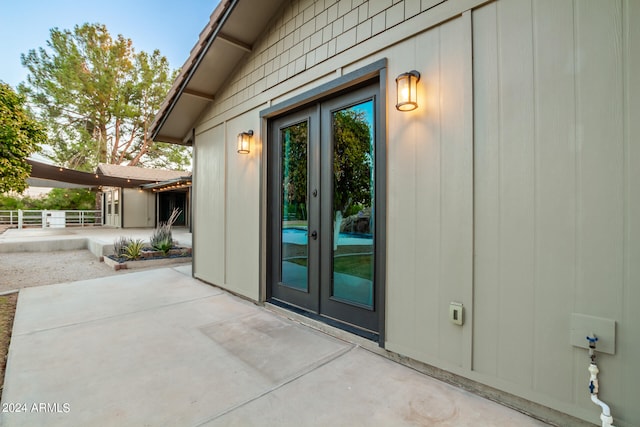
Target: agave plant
x=162 y=239
x=134 y=249
x=163 y=245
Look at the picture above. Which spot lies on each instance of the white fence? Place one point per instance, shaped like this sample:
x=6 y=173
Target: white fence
x=51 y=218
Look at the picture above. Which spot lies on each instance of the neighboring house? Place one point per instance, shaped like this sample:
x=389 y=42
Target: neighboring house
x=150 y=203
x=511 y=191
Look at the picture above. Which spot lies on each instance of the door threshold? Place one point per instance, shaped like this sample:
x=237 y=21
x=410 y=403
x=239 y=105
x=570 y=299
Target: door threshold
x=326 y=324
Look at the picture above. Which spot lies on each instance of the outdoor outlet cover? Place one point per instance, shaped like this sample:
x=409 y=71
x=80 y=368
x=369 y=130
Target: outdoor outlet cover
x=455 y=313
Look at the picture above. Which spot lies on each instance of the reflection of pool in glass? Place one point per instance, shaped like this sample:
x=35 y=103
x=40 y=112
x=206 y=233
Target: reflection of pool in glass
x=298 y=236
x=352 y=264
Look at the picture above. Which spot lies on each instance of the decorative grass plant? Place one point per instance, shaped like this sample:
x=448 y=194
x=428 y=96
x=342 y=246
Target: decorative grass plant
x=120 y=245
x=162 y=239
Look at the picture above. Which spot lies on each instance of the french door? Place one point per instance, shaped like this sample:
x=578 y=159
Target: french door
x=322 y=200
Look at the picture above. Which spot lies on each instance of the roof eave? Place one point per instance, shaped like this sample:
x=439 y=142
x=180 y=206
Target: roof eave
x=207 y=37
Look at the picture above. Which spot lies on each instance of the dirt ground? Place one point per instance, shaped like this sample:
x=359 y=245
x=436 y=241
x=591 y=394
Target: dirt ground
x=25 y=269
x=7 y=310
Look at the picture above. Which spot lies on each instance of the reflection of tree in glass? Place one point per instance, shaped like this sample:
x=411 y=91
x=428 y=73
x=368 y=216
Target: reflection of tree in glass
x=294 y=170
x=352 y=162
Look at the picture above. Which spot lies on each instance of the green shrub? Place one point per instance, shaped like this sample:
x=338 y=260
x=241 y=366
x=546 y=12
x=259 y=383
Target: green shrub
x=56 y=199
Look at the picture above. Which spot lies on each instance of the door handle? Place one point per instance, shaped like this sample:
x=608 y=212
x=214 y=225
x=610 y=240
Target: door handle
x=314 y=235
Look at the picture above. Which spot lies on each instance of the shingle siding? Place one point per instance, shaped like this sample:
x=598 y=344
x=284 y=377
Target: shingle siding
x=307 y=33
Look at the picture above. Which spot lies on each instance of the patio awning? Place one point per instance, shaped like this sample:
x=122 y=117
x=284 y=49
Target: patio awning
x=43 y=174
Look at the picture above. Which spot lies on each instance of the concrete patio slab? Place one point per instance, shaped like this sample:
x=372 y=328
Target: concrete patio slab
x=160 y=348
x=54 y=306
x=361 y=388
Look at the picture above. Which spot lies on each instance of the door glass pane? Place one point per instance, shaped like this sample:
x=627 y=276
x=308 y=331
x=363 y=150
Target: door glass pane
x=353 y=192
x=116 y=202
x=295 y=239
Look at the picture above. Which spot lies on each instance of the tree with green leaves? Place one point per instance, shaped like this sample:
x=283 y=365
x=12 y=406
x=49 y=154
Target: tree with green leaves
x=352 y=160
x=56 y=199
x=294 y=170
x=20 y=136
x=98 y=97
x=352 y=165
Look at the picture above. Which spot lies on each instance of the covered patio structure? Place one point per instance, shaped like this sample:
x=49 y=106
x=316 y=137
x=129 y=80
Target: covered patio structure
x=128 y=196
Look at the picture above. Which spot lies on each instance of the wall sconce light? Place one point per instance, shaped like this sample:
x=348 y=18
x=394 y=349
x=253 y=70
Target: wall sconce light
x=244 y=140
x=407 y=85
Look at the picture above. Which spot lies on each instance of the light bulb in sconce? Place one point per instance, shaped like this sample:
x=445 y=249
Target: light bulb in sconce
x=407 y=91
x=244 y=142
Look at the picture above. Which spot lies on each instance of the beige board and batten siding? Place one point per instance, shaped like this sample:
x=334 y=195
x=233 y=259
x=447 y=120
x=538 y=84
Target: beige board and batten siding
x=242 y=205
x=513 y=189
x=226 y=205
x=138 y=208
x=556 y=198
x=209 y=189
x=429 y=216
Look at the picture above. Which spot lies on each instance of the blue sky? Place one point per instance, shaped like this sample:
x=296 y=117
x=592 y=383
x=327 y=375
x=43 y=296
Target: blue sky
x=172 y=27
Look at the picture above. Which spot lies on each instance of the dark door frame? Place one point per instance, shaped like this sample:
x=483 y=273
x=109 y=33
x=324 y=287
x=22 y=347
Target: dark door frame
x=302 y=299
x=375 y=72
x=348 y=312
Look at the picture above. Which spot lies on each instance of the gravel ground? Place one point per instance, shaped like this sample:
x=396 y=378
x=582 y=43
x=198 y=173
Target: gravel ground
x=25 y=269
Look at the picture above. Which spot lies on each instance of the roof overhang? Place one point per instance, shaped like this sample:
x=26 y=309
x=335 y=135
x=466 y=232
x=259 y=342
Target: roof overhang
x=178 y=184
x=233 y=29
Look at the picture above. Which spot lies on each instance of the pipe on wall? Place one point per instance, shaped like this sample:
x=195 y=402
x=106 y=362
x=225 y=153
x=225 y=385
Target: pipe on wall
x=605 y=416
